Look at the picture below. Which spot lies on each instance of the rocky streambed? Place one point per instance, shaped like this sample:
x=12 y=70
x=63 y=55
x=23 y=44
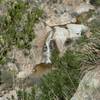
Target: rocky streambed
x=58 y=28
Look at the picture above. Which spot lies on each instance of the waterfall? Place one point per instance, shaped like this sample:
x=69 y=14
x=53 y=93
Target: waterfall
x=46 y=49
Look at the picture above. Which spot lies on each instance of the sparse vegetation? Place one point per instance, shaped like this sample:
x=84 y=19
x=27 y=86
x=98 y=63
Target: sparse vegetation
x=23 y=95
x=95 y=2
x=7 y=78
x=16 y=28
x=62 y=82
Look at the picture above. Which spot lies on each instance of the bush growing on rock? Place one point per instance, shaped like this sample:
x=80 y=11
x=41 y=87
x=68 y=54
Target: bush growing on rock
x=16 y=27
x=62 y=82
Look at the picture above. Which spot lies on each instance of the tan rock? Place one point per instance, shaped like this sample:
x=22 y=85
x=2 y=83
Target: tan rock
x=88 y=34
x=12 y=67
x=72 y=2
x=9 y=95
x=60 y=20
x=83 y=7
x=76 y=30
x=63 y=36
x=41 y=32
x=60 y=36
x=24 y=74
x=89 y=86
x=25 y=64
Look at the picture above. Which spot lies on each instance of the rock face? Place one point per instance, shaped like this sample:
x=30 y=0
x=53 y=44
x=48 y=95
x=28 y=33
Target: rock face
x=89 y=87
x=10 y=95
x=36 y=55
x=23 y=63
x=73 y=2
x=41 y=32
x=60 y=20
x=76 y=30
x=62 y=35
x=83 y=7
x=58 y=24
x=60 y=16
x=47 y=50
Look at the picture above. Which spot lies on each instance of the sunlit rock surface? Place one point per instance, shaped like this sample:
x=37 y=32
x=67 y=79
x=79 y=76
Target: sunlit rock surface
x=83 y=7
x=72 y=2
x=89 y=87
x=41 y=32
x=60 y=36
x=76 y=30
x=58 y=24
x=10 y=95
x=60 y=20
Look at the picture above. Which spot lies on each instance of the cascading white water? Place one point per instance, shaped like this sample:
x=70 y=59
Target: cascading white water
x=46 y=49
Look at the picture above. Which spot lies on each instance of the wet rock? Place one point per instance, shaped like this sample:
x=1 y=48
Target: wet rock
x=47 y=49
x=41 y=69
x=41 y=32
x=59 y=14
x=27 y=63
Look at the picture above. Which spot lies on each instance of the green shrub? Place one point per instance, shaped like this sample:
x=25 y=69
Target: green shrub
x=16 y=28
x=95 y=2
x=62 y=82
x=23 y=95
x=94 y=26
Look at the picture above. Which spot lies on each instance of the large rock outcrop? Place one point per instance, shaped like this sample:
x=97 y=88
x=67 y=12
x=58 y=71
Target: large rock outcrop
x=89 y=87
